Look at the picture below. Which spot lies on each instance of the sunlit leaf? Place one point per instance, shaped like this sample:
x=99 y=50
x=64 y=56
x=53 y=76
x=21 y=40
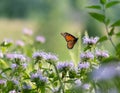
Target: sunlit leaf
x=94 y=7
x=6 y=44
x=104 y=38
x=103 y=1
x=117 y=23
x=98 y=16
x=112 y=3
x=5 y=70
x=107 y=21
x=87 y=48
x=3 y=63
x=111 y=31
x=118 y=34
x=110 y=59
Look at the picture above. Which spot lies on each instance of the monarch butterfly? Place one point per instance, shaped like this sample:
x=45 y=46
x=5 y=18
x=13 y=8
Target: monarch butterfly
x=71 y=40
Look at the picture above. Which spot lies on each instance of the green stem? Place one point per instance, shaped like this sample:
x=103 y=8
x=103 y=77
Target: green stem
x=107 y=29
x=61 y=84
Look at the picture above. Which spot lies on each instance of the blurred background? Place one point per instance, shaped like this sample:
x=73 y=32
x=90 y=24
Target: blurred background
x=49 y=18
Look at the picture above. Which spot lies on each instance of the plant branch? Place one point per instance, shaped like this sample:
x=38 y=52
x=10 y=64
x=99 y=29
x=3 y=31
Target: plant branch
x=107 y=28
x=61 y=84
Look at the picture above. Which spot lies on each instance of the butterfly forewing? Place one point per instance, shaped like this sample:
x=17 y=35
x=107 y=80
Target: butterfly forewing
x=68 y=37
x=71 y=40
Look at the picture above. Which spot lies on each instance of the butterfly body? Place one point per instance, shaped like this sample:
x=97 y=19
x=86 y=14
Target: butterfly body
x=70 y=39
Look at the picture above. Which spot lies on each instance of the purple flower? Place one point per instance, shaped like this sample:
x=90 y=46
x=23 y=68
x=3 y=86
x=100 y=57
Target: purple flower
x=24 y=65
x=90 y=41
x=65 y=65
x=26 y=86
x=2 y=81
x=20 y=43
x=73 y=69
x=38 y=75
x=50 y=56
x=16 y=56
x=78 y=82
x=13 y=66
x=27 y=31
x=15 y=81
x=40 y=39
x=84 y=65
x=39 y=54
x=87 y=55
x=7 y=40
x=12 y=91
x=45 y=56
x=106 y=72
x=86 y=86
x=100 y=53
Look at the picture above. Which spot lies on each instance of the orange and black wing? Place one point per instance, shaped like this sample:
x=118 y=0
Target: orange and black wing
x=71 y=40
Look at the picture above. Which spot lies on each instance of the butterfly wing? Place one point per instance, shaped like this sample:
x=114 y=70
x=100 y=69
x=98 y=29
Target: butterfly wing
x=70 y=44
x=71 y=40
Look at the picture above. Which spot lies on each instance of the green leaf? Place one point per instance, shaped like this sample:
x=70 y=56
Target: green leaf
x=104 y=38
x=111 y=31
x=5 y=70
x=98 y=16
x=112 y=3
x=6 y=44
x=118 y=34
x=3 y=63
x=103 y=1
x=117 y=23
x=110 y=59
x=87 y=48
x=107 y=22
x=94 y=7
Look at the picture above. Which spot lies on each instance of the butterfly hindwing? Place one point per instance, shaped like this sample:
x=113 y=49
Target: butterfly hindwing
x=71 y=40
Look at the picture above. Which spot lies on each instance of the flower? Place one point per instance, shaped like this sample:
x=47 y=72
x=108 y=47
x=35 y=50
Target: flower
x=73 y=72
x=39 y=54
x=24 y=65
x=102 y=54
x=50 y=56
x=84 y=65
x=86 y=86
x=20 y=43
x=27 y=31
x=106 y=72
x=38 y=75
x=12 y=91
x=78 y=82
x=8 y=40
x=90 y=41
x=40 y=39
x=64 y=65
x=13 y=66
x=16 y=56
x=2 y=81
x=26 y=86
x=73 y=69
x=44 y=55
x=15 y=81
x=87 y=55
